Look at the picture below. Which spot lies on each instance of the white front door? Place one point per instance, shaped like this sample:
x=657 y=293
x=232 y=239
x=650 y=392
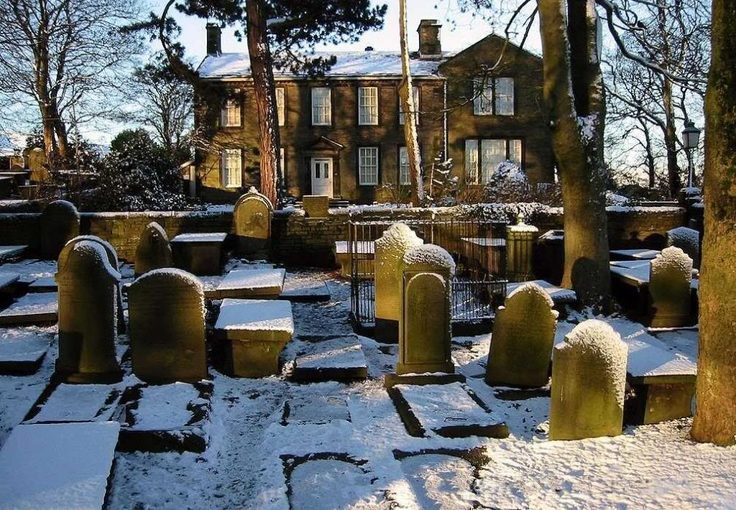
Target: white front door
x=322 y=176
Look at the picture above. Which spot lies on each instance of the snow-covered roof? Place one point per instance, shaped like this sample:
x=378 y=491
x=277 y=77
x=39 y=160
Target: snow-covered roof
x=348 y=65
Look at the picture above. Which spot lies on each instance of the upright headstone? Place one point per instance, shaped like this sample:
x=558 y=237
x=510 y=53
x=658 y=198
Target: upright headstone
x=390 y=249
x=523 y=337
x=669 y=288
x=87 y=314
x=252 y=217
x=167 y=341
x=425 y=330
x=153 y=251
x=112 y=258
x=688 y=240
x=59 y=224
x=588 y=383
x=520 y=239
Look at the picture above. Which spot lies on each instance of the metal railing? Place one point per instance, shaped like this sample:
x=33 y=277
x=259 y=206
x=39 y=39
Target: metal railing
x=477 y=246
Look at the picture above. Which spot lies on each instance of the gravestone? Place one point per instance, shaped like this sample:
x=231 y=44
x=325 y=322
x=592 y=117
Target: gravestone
x=167 y=342
x=88 y=295
x=588 y=383
x=425 y=331
x=316 y=206
x=669 y=288
x=112 y=258
x=59 y=224
x=252 y=218
x=153 y=251
x=523 y=337
x=688 y=240
x=390 y=249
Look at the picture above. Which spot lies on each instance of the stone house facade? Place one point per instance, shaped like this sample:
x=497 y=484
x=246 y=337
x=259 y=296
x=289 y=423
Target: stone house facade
x=342 y=134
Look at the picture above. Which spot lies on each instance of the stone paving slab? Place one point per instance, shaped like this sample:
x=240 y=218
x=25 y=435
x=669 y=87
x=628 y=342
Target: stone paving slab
x=332 y=358
x=252 y=283
x=447 y=410
x=36 y=308
x=22 y=350
x=298 y=291
x=10 y=252
x=77 y=403
x=8 y=279
x=44 y=284
x=314 y=409
x=68 y=465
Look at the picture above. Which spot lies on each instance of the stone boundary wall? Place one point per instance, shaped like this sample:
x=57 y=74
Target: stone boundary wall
x=302 y=241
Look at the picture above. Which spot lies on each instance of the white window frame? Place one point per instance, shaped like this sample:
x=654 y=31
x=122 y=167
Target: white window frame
x=367 y=106
x=232 y=176
x=495 y=98
x=230 y=114
x=479 y=167
x=321 y=107
x=368 y=166
x=281 y=105
x=404 y=174
x=402 y=115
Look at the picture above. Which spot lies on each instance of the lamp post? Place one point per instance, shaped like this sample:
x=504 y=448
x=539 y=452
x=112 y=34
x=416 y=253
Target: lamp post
x=690 y=137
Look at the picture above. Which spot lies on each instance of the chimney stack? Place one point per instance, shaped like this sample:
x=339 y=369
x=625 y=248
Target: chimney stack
x=429 y=38
x=214 y=39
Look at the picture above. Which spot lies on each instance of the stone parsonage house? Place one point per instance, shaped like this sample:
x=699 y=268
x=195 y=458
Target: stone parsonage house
x=342 y=134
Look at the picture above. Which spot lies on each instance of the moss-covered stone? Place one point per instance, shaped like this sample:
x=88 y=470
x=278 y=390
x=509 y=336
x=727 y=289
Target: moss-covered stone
x=523 y=336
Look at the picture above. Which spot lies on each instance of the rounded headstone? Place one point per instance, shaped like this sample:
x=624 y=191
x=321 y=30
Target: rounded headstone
x=252 y=217
x=88 y=310
x=669 y=288
x=167 y=342
x=523 y=337
x=688 y=240
x=588 y=383
x=59 y=224
x=154 y=250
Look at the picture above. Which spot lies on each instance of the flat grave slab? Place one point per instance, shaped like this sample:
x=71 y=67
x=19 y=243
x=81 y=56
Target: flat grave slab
x=332 y=358
x=68 y=465
x=22 y=349
x=559 y=295
x=8 y=279
x=255 y=331
x=636 y=272
x=169 y=417
x=37 y=308
x=314 y=409
x=77 y=403
x=636 y=254
x=44 y=284
x=343 y=483
x=304 y=291
x=443 y=478
x=252 y=283
x=448 y=410
x=11 y=252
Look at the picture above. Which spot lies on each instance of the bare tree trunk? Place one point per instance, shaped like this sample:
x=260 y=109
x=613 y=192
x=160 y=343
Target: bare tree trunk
x=410 y=121
x=265 y=96
x=670 y=139
x=62 y=137
x=715 y=415
x=573 y=91
x=649 y=154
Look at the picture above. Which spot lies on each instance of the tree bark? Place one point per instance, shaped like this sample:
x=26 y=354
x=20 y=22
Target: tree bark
x=670 y=139
x=573 y=91
x=265 y=96
x=715 y=415
x=410 y=121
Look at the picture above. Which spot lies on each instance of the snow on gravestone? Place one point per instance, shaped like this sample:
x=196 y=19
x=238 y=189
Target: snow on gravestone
x=59 y=223
x=167 y=341
x=153 y=250
x=425 y=331
x=688 y=240
x=588 y=382
x=88 y=294
x=523 y=337
x=59 y=465
x=390 y=249
x=112 y=257
x=669 y=288
x=252 y=218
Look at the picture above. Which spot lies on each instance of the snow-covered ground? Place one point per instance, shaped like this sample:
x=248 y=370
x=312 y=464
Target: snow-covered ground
x=368 y=461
